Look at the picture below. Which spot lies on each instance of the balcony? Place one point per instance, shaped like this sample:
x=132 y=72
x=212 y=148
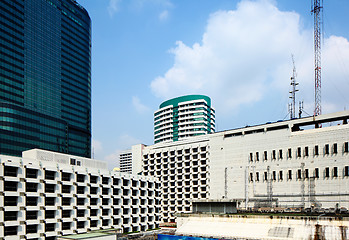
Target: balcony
x=31 y=229
x=10 y=171
x=31 y=215
x=50 y=175
x=49 y=214
x=50 y=227
x=50 y=201
x=31 y=187
x=31 y=173
x=66 y=176
x=66 y=213
x=93 y=179
x=10 y=215
x=10 y=186
x=10 y=231
x=31 y=201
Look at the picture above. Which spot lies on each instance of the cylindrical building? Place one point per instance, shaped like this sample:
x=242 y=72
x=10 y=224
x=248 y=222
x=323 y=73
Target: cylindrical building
x=183 y=117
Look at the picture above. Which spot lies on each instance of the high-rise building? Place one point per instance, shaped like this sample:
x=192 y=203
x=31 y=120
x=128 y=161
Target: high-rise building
x=45 y=77
x=183 y=117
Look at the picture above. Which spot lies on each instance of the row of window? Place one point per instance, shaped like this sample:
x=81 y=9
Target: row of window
x=299 y=174
x=12 y=171
x=299 y=152
x=175 y=153
x=51 y=227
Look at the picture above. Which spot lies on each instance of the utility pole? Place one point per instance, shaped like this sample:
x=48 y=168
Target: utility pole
x=269 y=188
x=316 y=10
x=302 y=185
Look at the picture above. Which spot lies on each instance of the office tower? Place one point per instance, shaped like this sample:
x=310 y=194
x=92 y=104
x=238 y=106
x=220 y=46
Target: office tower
x=183 y=117
x=45 y=77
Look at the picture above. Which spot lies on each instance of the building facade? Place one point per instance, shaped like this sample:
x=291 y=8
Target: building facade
x=297 y=163
x=183 y=117
x=125 y=159
x=46 y=194
x=45 y=77
x=130 y=160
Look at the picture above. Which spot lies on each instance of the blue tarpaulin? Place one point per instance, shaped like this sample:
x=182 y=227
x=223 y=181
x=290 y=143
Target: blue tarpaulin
x=175 y=237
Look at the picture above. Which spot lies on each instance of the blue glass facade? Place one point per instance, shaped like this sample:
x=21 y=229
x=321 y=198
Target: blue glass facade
x=45 y=77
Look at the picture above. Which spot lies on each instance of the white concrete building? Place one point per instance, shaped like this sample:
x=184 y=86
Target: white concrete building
x=46 y=194
x=130 y=160
x=125 y=158
x=183 y=170
x=183 y=117
x=296 y=163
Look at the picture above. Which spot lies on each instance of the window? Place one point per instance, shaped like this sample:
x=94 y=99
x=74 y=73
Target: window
x=316 y=150
x=280 y=154
x=265 y=176
x=299 y=152
x=251 y=177
x=265 y=155
x=306 y=173
x=335 y=150
x=257 y=156
x=289 y=153
x=316 y=173
x=327 y=172
x=257 y=176
x=274 y=175
x=299 y=174
x=327 y=149
x=289 y=175
x=10 y=171
x=335 y=172
x=274 y=155
x=346 y=171
x=306 y=151
x=281 y=175
x=251 y=157
x=72 y=161
x=346 y=147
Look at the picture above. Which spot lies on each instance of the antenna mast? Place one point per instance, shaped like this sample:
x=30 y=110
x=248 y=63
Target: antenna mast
x=292 y=109
x=316 y=9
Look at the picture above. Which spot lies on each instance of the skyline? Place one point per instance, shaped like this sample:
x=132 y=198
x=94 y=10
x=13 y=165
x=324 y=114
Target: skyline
x=142 y=48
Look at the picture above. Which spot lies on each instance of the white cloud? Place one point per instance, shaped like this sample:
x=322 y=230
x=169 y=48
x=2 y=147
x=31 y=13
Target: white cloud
x=96 y=146
x=163 y=3
x=124 y=142
x=163 y=15
x=113 y=7
x=140 y=107
x=245 y=55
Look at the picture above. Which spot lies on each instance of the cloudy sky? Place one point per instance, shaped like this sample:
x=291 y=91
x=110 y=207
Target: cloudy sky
x=238 y=52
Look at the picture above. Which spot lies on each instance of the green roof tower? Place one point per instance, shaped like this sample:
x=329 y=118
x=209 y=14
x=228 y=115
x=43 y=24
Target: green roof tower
x=182 y=117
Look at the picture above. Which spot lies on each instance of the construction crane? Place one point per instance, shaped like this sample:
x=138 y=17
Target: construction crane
x=316 y=10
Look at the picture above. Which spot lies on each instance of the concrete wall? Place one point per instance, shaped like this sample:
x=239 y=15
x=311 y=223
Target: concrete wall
x=262 y=227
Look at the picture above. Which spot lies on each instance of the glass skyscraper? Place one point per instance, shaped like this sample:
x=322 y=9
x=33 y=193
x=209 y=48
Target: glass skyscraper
x=45 y=77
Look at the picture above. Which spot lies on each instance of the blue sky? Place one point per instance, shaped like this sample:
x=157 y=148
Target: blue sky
x=236 y=52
